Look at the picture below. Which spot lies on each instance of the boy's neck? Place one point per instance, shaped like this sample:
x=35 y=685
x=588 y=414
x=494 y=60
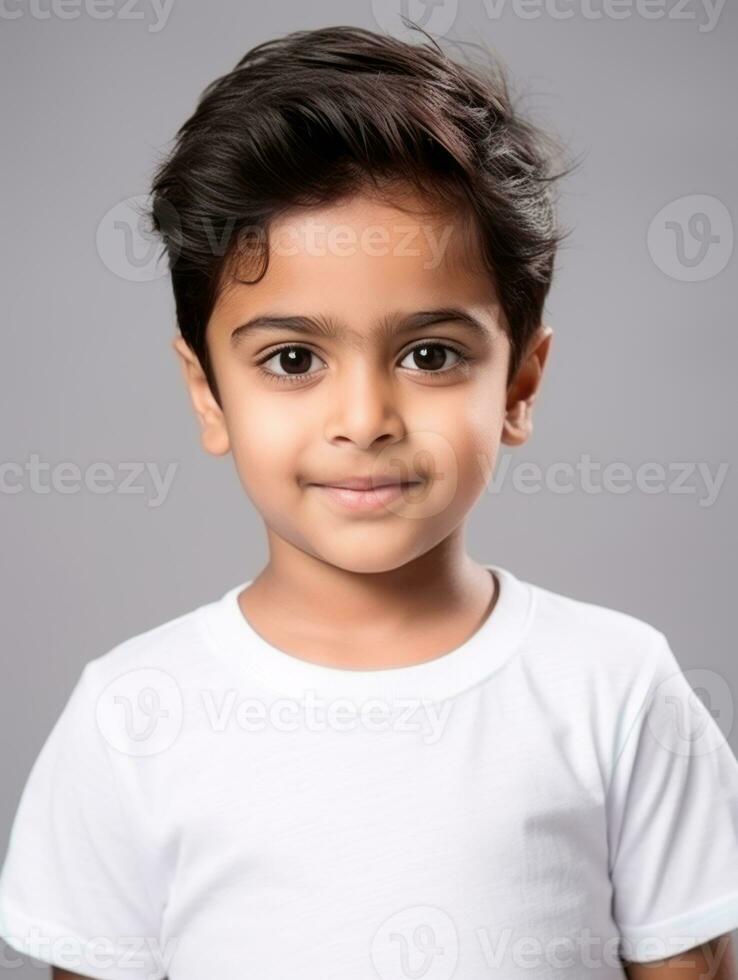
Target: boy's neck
x=318 y=612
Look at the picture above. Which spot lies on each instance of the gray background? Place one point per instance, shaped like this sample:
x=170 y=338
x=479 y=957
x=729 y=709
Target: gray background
x=642 y=368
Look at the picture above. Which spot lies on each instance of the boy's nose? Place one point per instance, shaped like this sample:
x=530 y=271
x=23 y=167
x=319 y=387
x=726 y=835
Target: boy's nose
x=366 y=410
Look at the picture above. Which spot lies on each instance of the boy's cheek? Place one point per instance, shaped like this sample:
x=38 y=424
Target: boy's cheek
x=473 y=442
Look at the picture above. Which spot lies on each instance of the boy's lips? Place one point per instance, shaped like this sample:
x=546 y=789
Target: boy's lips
x=371 y=493
x=367 y=482
x=374 y=498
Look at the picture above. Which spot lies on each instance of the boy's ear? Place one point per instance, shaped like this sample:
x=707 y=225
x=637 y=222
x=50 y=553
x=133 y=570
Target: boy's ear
x=521 y=393
x=213 y=431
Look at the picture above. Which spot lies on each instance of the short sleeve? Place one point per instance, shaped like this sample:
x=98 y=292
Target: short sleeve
x=73 y=888
x=672 y=813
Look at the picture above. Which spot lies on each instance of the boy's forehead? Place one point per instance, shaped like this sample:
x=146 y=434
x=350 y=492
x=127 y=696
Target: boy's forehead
x=364 y=251
x=403 y=233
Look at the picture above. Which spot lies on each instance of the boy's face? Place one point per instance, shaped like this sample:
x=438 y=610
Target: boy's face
x=393 y=397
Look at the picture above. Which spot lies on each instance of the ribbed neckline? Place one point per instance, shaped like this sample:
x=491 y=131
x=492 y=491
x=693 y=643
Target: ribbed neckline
x=485 y=651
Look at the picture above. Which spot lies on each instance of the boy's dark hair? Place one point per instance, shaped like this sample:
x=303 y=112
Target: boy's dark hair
x=316 y=116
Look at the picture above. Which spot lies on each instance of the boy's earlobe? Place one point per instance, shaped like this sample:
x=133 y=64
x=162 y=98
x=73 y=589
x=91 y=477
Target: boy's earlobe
x=213 y=430
x=524 y=388
x=518 y=424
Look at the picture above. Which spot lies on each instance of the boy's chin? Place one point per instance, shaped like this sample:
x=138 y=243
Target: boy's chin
x=373 y=553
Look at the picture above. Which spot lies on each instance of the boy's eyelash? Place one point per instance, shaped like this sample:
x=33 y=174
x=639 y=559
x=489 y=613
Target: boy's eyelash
x=290 y=378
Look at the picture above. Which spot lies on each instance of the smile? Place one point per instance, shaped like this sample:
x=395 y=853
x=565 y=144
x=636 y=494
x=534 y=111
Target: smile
x=374 y=498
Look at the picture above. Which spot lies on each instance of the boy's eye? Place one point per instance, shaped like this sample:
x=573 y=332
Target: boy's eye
x=292 y=362
x=431 y=356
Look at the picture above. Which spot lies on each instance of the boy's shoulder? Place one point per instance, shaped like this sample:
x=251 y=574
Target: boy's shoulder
x=174 y=647
x=558 y=611
x=595 y=639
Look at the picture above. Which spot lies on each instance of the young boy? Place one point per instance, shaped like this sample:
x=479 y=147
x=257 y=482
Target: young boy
x=378 y=758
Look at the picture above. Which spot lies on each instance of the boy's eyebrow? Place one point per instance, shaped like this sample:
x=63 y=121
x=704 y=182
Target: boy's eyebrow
x=390 y=325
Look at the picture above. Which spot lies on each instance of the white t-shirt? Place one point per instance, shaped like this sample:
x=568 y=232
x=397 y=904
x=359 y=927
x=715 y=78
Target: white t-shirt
x=547 y=795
